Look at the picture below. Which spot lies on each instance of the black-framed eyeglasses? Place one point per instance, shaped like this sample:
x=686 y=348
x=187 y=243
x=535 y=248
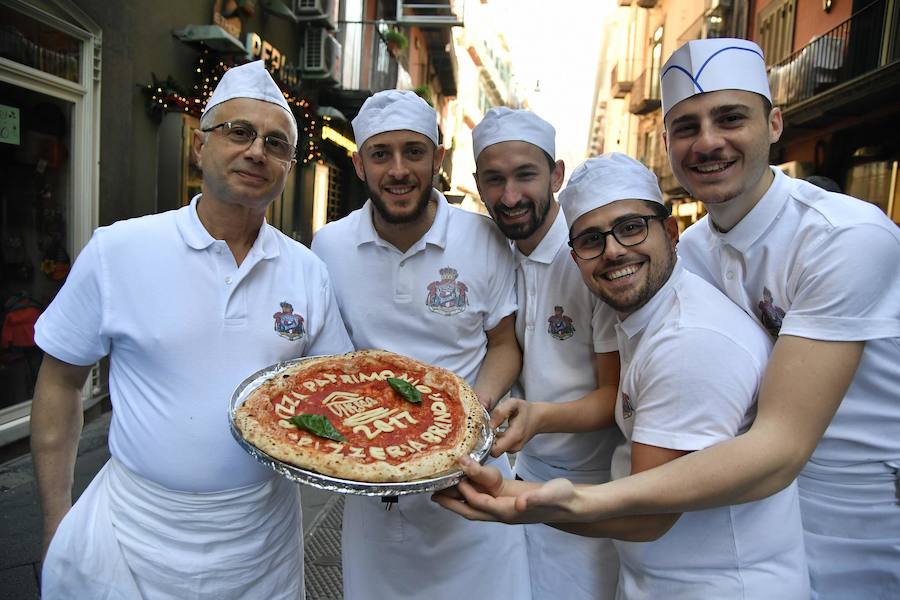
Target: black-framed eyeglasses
x=243 y=135
x=630 y=232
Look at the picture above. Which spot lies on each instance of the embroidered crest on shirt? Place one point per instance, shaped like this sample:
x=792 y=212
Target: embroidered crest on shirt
x=559 y=325
x=627 y=408
x=288 y=324
x=770 y=313
x=447 y=296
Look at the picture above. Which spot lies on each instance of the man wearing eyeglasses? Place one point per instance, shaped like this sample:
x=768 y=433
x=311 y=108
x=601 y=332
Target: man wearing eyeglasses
x=559 y=427
x=182 y=303
x=691 y=364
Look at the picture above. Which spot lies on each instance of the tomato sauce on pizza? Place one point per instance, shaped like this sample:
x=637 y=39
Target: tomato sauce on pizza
x=344 y=416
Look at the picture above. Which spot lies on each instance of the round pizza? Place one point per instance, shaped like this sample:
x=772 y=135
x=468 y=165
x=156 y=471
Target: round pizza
x=371 y=416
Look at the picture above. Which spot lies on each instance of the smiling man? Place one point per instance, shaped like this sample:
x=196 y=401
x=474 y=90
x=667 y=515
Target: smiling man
x=570 y=371
x=417 y=276
x=691 y=367
x=182 y=303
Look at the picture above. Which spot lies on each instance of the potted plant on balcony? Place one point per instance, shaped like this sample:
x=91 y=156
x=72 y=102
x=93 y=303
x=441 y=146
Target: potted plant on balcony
x=424 y=92
x=395 y=40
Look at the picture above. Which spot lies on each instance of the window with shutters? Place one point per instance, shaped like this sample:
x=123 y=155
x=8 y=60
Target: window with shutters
x=776 y=30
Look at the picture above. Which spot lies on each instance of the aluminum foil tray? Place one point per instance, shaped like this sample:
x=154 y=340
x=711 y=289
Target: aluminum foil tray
x=334 y=484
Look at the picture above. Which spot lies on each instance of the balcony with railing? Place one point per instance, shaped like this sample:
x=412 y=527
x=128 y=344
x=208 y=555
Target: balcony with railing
x=853 y=61
x=366 y=62
x=645 y=96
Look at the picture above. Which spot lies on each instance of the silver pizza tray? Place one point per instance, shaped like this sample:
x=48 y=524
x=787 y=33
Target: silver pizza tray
x=335 y=484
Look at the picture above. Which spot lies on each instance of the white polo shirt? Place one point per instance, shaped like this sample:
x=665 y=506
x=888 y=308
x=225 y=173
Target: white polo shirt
x=692 y=362
x=560 y=325
x=433 y=302
x=823 y=266
x=183 y=326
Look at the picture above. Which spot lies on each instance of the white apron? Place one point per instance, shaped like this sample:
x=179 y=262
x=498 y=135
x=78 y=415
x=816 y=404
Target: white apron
x=565 y=565
x=418 y=549
x=129 y=538
x=851 y=522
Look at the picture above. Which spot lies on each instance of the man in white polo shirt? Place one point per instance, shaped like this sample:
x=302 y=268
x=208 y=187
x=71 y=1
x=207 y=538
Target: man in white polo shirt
x=414 y=275
x=570 y=367
x=691 y=366
x=183 y=304
x=819 y=270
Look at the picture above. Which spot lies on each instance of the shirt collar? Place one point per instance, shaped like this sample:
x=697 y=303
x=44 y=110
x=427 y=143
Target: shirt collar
x=436 y=234
x=637 y=321
x=554 y=241
x=197 y=237
x=760 y=218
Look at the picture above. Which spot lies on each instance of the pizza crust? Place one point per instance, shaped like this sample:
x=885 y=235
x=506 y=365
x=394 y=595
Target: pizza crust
x=388 y=438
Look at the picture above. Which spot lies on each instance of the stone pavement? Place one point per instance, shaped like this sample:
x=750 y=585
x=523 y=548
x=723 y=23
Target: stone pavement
x=20 y=523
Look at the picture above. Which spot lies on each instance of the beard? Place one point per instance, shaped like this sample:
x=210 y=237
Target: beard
x=398 y=219
x=634 y=299
x=521 y=231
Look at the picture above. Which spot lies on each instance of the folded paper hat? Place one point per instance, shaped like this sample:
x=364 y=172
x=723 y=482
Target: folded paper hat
x=605 y=179
x=395 y=110
x=711 y=65
x=250 y=80
x=503 y=124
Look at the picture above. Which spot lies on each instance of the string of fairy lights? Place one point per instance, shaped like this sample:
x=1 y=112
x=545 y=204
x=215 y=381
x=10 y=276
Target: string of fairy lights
x=164 y=96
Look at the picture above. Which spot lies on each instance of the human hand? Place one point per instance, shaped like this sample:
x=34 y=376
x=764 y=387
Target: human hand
x=485 y=496
x=524 y=419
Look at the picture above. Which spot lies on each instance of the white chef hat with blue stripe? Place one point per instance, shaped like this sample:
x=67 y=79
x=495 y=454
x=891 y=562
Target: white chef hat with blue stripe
x=711 y=65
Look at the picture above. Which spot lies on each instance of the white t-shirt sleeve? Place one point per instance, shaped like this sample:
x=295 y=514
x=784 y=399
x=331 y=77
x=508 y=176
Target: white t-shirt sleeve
x=332 y=337
x=603 y=327
x=71 y=327
x=849 y=288
x=502 y=298
x=695 y=389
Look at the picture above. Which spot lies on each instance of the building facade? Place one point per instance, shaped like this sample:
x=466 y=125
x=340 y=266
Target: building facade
x=98 y=101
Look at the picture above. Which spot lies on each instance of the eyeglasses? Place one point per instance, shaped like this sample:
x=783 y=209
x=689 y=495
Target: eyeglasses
x=242 y=134
x=631 y=232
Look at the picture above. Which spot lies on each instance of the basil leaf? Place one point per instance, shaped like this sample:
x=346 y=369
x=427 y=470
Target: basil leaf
x=317 y=425
x=405 y=389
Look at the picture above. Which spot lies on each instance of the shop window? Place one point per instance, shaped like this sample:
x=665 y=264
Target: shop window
x=34 y=260
x=29 y=42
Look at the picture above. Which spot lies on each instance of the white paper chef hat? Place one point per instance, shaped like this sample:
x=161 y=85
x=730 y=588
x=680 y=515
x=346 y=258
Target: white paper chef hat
x=605 y=179
x=395 y=110
x=250 y=80
x=502 y=124
x=711 y=65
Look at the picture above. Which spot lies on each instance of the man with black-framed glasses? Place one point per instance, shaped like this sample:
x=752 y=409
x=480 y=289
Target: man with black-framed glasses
x=691 y=366
x=183 y=302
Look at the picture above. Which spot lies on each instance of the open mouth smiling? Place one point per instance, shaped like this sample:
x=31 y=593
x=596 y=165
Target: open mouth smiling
x=621 y=272
x=712 y=167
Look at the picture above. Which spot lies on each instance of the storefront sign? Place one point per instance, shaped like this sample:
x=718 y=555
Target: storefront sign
x=258 y=48
x=9 y=125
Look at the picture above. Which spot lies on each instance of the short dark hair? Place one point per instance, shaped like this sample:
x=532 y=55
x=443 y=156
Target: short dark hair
x=550 y=161
x=767 y=106
x=660 y=210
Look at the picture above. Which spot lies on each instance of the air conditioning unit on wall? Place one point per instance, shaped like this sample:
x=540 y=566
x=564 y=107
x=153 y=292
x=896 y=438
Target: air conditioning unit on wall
x=324 y=11
x=321 y=58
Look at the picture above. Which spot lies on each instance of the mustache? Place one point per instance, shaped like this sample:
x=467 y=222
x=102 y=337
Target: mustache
x=519 y=206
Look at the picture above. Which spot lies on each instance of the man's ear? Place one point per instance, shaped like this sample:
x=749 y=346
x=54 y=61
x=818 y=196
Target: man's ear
x=358 y=165
x=198 y=139
x=438 y=159
x=776 y=125
x=557 y=176
x=671 y=225
x=665 y=138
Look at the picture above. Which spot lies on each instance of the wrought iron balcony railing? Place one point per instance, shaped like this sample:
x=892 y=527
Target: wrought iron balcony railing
x=366 y=62
x=864 y=43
